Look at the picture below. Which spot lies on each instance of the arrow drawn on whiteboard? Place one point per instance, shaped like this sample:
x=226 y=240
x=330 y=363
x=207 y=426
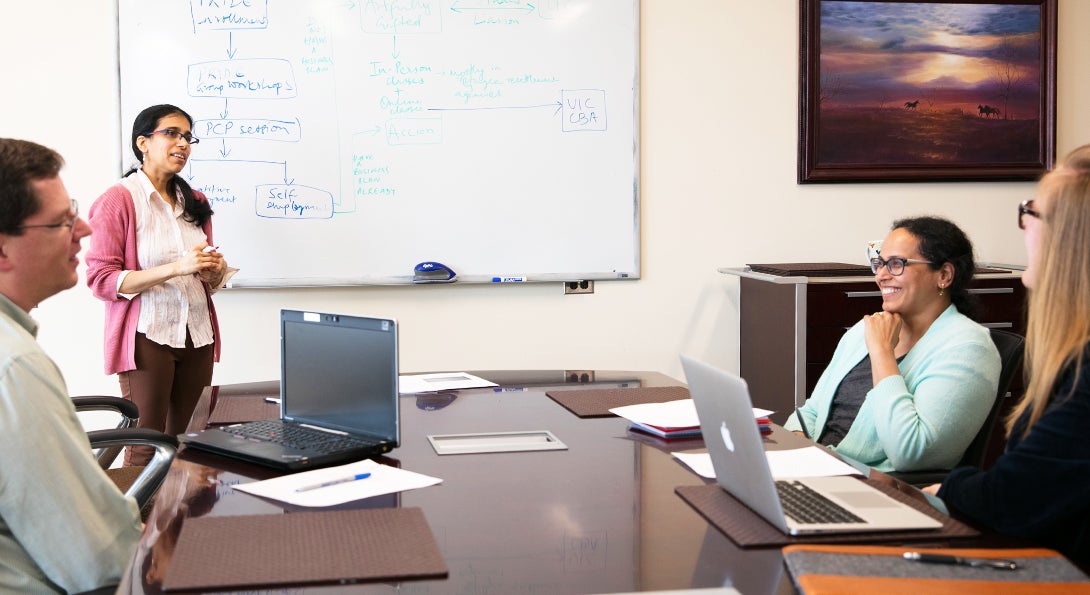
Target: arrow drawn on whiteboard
x=559 y=106
x=395 y=53
x=287 y=181
x=223 y=114
x=224 y=152
x=231 y=45
x=455 y=6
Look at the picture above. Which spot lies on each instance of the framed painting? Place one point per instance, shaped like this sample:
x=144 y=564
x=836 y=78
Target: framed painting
x=926 y=91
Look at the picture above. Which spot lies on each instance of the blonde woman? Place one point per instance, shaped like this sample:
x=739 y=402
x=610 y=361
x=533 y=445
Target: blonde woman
x=1040 y=487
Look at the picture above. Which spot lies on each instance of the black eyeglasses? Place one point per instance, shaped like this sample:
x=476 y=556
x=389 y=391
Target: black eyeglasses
x=895 y=265
x=1026 y=208
x=173 y=134
x=69 y=223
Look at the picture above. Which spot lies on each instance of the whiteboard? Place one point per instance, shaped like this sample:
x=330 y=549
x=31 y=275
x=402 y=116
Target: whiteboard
x=344 y=141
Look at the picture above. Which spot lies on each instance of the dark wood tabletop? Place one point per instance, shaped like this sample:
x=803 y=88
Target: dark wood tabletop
x=599 y=517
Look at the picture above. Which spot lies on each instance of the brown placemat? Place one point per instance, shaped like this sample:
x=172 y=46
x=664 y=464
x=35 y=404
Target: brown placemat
x=233 y=410
x=747 y=529
x=812 y=269
x=336 y=546
x=597 y=402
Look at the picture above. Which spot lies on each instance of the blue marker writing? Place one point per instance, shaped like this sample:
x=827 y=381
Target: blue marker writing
x=333 y=482
x=508 y=279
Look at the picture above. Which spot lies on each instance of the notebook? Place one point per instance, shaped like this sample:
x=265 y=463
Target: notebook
x=741 y=468
x=812 y=269
x=338 y=396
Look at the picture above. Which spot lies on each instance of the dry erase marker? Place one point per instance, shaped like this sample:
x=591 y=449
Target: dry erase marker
x=208 y=249
x=333 y=482
x=273 y=400
x=961 y=561
x=508 y=279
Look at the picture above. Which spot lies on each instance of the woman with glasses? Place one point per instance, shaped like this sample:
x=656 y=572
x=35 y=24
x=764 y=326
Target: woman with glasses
x=151 y=260
x=1039 y=488
x=908 y=387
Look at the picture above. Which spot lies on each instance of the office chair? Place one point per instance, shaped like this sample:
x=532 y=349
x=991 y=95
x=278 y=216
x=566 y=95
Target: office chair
x=1011 y=347
x=139 y=482
x=128 y=412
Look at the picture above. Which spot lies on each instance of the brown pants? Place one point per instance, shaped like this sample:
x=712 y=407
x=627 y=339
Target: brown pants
x=166 y=385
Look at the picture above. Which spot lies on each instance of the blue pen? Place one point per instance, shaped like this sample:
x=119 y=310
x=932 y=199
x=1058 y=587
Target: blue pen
x=508 y=279
x=333 y=482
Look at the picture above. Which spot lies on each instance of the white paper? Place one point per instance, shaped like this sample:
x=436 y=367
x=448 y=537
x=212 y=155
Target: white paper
x=699 y=462
x=671 y=414
x=430 y=383
x=811 y=461
x=383 y=480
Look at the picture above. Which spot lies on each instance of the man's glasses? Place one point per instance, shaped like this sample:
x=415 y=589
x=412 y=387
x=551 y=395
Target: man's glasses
x=69 y=223
x=1026 y=208
x=895 y=265
x=173 y=134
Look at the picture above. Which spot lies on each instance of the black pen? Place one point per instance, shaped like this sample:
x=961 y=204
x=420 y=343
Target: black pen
x=998 y=564
x=798 y=416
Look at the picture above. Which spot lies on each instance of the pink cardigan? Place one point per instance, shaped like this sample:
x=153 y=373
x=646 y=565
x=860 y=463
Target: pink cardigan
x=113 y=250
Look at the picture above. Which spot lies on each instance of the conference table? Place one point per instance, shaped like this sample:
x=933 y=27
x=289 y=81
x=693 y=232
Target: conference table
x=599 y=517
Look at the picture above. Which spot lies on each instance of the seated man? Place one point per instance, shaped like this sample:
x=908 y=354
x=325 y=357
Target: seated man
x=64 y=526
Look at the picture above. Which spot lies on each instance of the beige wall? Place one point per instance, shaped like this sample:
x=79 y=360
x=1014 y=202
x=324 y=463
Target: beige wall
x=718 y=136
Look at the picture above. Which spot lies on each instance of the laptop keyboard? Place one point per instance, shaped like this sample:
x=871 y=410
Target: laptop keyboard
x=805 y=505
x=297 y=436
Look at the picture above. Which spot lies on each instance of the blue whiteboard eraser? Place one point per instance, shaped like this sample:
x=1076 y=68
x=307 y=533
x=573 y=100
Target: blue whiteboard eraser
x=433 y=272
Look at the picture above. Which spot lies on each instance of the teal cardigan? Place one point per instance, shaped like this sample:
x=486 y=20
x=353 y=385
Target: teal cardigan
x=924 y=418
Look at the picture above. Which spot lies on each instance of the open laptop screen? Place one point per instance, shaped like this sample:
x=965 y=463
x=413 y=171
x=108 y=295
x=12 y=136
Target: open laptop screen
x=340 y=372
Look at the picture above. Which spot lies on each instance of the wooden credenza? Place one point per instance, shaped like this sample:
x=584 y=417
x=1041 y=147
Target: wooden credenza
x=790 y=326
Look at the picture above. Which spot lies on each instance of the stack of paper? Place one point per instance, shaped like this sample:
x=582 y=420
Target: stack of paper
x=672 y=419
x=675 y=419
x=667 y=433
x=764 y=424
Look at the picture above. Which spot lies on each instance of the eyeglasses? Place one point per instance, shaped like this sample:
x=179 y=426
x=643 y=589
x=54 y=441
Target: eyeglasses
x=69 y=223
x=173 y=134
x=1026 y=208
x=895 y=265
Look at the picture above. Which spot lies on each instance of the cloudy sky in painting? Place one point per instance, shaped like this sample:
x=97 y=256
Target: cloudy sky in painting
x=949 y=54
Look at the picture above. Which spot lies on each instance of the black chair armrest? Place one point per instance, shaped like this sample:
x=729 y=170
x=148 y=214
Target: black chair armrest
x=125 y=407
x=165 y=445
x=128 y=410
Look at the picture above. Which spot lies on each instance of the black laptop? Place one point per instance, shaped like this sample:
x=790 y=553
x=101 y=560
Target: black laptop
x=338 y=396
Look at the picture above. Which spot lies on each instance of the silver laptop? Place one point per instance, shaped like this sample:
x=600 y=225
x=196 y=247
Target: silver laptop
x=741 y=468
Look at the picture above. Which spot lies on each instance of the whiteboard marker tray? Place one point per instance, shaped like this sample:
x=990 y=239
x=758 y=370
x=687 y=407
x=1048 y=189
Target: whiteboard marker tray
x=463 y=444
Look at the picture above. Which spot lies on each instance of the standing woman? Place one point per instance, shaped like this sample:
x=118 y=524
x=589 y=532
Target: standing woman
x=148 y=262
x=1039 y=488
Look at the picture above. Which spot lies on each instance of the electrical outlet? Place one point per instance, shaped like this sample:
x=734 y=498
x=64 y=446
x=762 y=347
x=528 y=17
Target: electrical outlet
x=580 y=376
x=578 y=287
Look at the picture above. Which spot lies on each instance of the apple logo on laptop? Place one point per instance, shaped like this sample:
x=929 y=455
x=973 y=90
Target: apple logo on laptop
x=726 y=437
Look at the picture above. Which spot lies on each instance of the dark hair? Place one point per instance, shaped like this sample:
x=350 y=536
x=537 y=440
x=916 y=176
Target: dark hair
x=943 y=242
x=21 y=163
x=147 y=121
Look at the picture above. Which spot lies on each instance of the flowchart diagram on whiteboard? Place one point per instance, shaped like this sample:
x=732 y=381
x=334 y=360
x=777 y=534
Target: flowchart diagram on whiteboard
x=344 y=141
